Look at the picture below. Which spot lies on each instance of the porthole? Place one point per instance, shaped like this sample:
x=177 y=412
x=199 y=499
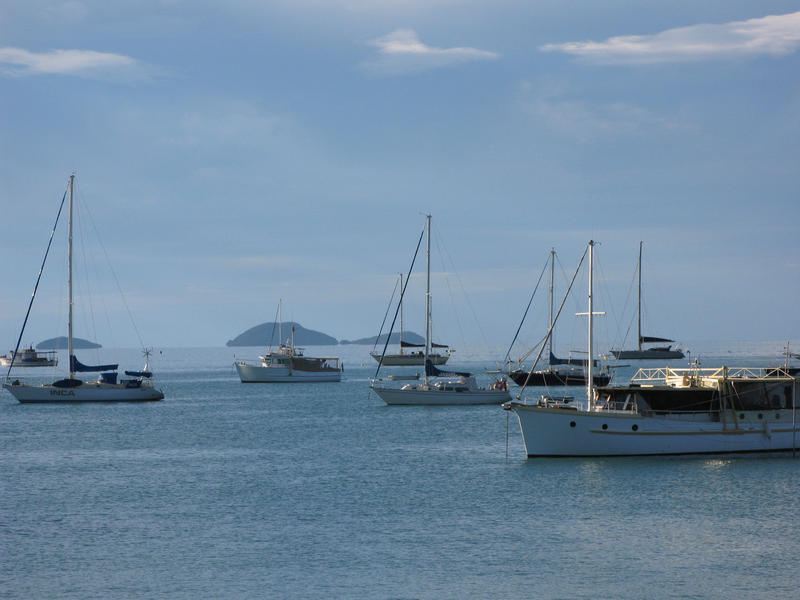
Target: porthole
x=760 y=416
x=572 y=423
x=741 y=415
x=635 y=427
x=777 y=416
x=605 y=426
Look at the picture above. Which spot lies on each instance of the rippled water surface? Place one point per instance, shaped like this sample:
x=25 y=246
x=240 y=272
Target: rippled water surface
x=225 y=490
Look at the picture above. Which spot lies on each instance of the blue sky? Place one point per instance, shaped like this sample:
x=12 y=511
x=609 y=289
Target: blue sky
x=234 y=153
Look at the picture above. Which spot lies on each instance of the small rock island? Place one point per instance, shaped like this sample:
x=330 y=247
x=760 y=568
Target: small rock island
x=266 y=334
x=60 y=343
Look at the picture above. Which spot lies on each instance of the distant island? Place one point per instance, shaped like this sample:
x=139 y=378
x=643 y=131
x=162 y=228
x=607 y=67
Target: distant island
x=60 y=343
x=266 y=334
x=408 y=336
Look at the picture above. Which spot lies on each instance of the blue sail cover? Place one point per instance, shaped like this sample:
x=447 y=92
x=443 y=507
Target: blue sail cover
x=432 y=371
x=77 y=366
x=649 y=339
x=139 y=373
x=410 y=345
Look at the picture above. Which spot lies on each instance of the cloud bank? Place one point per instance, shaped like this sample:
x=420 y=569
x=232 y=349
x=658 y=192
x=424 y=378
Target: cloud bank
x=81 y=63
x=774 y=35
x=402 y=52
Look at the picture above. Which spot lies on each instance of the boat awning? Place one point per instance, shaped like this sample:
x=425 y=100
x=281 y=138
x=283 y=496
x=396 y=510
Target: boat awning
x=646 y=339
x=77 y=366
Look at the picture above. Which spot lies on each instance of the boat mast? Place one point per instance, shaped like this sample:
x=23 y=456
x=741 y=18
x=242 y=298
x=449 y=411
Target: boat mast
x=428 y=296
x=590 y=363
x=401 y=313
x=552 y=270
x=280 y=323
x=640 y=299
x=69 y=253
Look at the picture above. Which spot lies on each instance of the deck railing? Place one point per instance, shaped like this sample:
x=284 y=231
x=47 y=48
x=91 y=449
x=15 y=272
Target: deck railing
x=662 y=374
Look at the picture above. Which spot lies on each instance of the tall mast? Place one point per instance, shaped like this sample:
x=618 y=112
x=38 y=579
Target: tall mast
x=401 y=313
x=280 y=323
x=69 y=253
x=428 y=296
x=640 y=297
x=590 y=363
x=552 y=270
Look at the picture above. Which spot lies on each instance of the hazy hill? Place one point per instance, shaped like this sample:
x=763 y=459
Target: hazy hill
x=266 y=333
x=60 y=343
x=408 y=336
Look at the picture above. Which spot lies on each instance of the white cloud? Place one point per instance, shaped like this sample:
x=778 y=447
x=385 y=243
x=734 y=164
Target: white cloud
x=774 y=35
x=402 y=52
x=82 y=63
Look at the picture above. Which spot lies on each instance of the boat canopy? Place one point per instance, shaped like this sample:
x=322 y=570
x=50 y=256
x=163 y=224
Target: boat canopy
x=410 y=345
x=432 y=371
x=77 y=366
x=646 y=339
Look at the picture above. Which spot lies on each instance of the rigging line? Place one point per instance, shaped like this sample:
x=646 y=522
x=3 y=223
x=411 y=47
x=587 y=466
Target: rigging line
x=443 y=252
x=114 y=275
x=36 y=287
x=272 y=335
x=533 y=349
x=455 y=314
x=525 y=314
x=604 y=291
x=89 y=297
x=397 y=310
x=553 y=324
x=625 y=308
x=576 y=303
x=385 y=315
x=92 y=260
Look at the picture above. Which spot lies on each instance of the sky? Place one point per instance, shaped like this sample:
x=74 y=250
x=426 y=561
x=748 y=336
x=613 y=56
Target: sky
x=231 y=154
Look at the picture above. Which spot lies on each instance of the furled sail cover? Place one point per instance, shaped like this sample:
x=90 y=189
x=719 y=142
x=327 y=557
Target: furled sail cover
x=77 y=366
x=646 y=339
x=432 y=371
x=410 y=345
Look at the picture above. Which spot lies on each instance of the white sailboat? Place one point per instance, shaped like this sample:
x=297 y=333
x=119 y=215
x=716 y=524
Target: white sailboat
x=414 y=357
x=288 y=364
x=652 y=352
x=137 y=388
x=439 y=387
x=667 y=411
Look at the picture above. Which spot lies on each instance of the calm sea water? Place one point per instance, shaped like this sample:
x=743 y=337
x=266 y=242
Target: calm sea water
x=225 y=490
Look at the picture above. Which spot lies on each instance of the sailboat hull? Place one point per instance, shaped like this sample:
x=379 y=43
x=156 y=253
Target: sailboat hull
x=87 y=392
